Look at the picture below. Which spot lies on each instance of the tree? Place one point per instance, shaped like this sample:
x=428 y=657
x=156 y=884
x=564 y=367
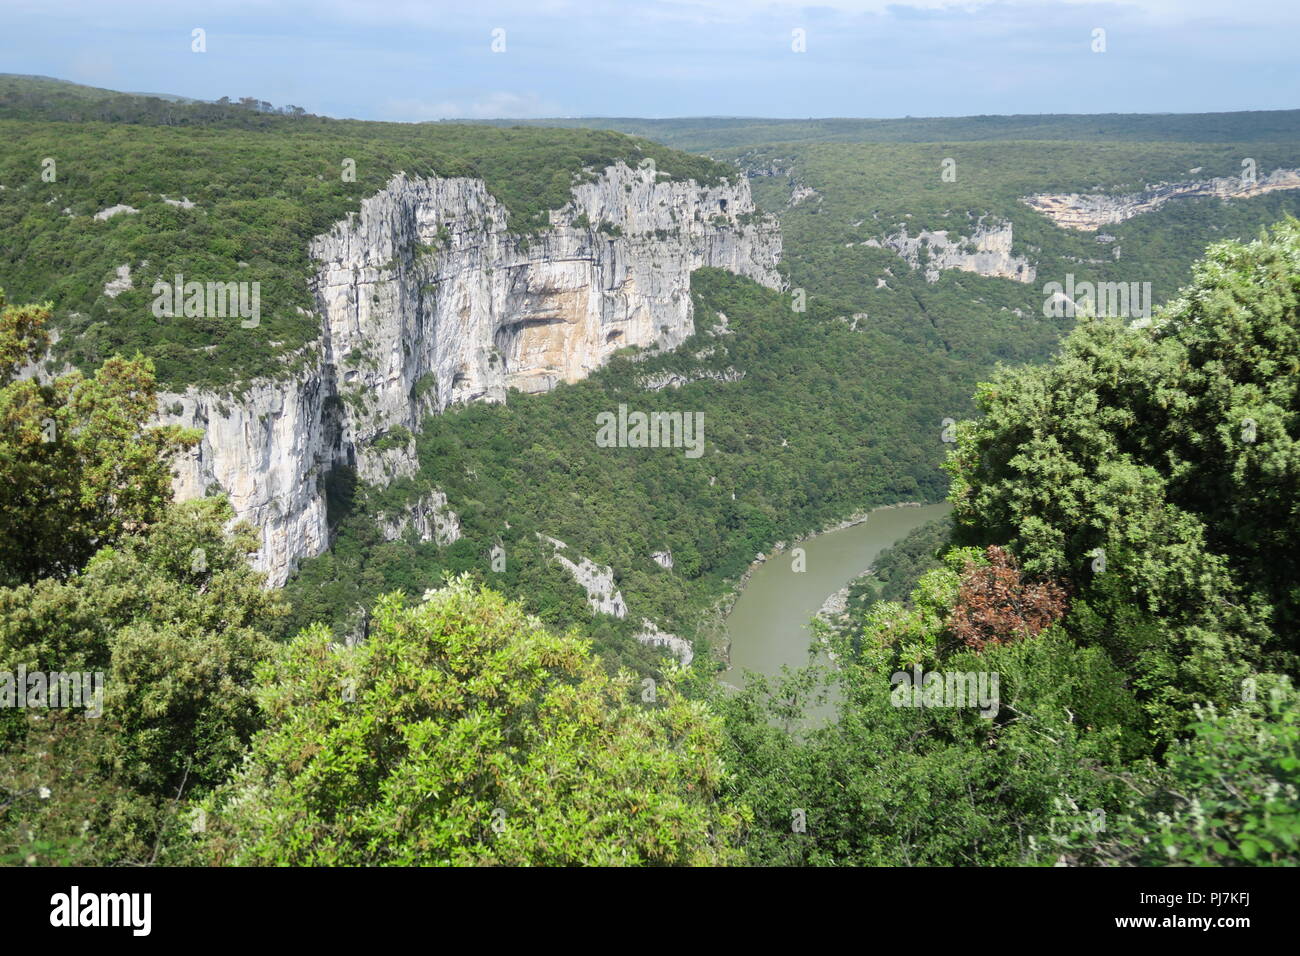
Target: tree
x=174 y=618
x=461 y=731
x=1155 y=470
x=997 y=605
x=1229 y=796
x=78 y=463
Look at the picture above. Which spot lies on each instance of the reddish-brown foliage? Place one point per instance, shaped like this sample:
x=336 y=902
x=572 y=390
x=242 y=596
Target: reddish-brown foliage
x=997 y=605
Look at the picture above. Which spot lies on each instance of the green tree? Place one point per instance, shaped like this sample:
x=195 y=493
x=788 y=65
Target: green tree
x=1156 y=470
x=1228 y=796
x=78 y=464
x=460 y=731
x=174 y=619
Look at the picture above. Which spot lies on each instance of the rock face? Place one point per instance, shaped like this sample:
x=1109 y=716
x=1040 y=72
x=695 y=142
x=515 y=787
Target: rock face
x=986 y=252
x=427 y=299
x=1087 y=213
x=269 y=450
x=596 y=579
x=800 y=193
x=661 y=380
x=116 y=286
x=112 y=211
x=428 y=515
x=653 y=637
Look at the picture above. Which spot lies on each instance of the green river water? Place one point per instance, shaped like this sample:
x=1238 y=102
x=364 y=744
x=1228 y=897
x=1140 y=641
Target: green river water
x=768 y=626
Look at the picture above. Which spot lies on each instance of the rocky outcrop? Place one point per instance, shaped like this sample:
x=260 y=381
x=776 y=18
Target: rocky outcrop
x=428 y=515
x=426 y=298
x=661 y=380
x=112 y=211
x=801 y=193
x=269 y=450
x=986 y=252
x=1088 y=213
x=596 y=579
x=122 y=281
x=651 y=636
x=835 y=606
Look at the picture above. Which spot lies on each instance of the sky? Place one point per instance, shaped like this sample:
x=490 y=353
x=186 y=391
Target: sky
x=408 y=60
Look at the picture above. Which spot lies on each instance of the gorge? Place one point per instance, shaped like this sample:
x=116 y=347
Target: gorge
x=427 y=299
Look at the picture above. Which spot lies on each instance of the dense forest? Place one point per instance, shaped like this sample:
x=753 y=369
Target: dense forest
x=1117 y=576
x=1139 y=616
x=705 y=133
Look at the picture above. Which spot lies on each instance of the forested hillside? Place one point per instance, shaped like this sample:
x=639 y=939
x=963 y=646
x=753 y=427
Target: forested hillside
x=1118 y=566
x=1117 y=512
x=801 y=438
x=217 y=191
x=859 y=384
x=1117 y=579
x=704 y=133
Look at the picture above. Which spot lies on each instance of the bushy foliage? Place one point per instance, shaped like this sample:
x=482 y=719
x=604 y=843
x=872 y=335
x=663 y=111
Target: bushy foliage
x=996 y=604
x=175 y=620
x=915 y=786
x=1155 y=470
x=1229 y=795
x=78 y=462
x=461 y=731
x=1122 y=468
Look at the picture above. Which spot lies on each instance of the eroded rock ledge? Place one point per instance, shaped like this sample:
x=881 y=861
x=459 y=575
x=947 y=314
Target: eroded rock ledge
x=1089 y=212
x=986 y=252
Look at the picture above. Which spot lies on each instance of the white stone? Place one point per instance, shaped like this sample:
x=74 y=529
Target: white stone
x=596 y=579
x=679 y=646
x=1087 y=213
x=428 y=515
x=112 y=211
x=115 y=287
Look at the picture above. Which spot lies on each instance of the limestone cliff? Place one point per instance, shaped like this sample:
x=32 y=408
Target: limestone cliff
x=596 y=579
x=428 y=516
x=268 y=449
x=426 y=298
x=1090 y=212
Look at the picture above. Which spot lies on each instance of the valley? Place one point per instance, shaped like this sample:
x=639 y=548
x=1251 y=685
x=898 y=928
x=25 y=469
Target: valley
x=489 y=455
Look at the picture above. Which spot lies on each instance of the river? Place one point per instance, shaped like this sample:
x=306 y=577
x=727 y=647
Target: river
x=768 y=625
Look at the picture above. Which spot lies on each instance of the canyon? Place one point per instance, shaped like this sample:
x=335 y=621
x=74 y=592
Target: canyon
x=427 y=299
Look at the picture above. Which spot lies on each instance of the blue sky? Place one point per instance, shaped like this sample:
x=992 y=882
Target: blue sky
x=408 y=60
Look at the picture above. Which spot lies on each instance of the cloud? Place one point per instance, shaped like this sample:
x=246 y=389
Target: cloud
x=432 y=59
